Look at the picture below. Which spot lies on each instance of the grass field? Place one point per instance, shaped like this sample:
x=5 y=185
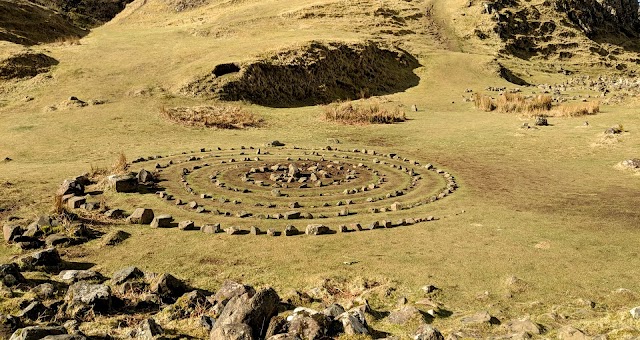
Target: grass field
x=546 y=205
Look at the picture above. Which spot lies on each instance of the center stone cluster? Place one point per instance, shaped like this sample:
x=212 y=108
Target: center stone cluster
x=300 y=174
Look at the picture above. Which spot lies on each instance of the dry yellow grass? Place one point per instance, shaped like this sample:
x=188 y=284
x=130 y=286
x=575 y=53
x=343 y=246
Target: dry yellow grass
x=120 y=165
x=212 y=116
x=348 y=113
x=540 y=105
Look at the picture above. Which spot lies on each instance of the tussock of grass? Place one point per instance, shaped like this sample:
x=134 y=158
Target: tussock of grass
x=540 y=105
x=120 y=165
x=215 y=116
x=350 y=114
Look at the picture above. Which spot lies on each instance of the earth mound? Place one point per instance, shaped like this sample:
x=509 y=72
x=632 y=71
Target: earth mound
x=25 y=65
x=318 y=73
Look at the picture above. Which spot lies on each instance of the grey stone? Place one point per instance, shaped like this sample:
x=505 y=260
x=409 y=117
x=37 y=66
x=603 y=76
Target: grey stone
x=148 y=329
x=123 y=183
x=236 y=331
x=84 y=297
x=43 y=258
x=10 y=274
x=523 y=325
x=56 y=240
x=353 y=322
x=115 y=237
x=162 y=221
x=125 y=274
x=404 y=315
x=141 y=216
x=291 y=231
x=114 y=213
x=252 y=310
x=317 y=229
x=76 y=202
x=480 y=318
x=187 y=225
x=145 y=176
x=292 y=215
x=70 y=276
x=37 y=332
x=428 y=332
x=70 y=187
x=211 y=228
x=11 y=231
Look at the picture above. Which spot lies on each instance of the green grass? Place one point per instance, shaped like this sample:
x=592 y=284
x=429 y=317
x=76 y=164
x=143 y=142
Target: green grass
x=518 y=187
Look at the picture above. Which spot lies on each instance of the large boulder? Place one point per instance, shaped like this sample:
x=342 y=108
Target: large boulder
x=230 y=290
x=252 y=310
x=236 y=331
x=84 y=297
x=308 y=324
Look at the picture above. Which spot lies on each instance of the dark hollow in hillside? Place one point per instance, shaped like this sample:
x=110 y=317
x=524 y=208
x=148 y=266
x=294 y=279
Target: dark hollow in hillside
x=317 y=73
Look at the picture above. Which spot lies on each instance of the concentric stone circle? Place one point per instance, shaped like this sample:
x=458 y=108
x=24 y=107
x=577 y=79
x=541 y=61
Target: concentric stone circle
x=251 y=187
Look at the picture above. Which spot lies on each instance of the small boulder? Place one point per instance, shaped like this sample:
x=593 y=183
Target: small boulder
x=145 y=176
x=187 y=225
x=148 y=329
x=70 y=187
x=76 y=202
x=635 y=312
x=114 y=214
x=353 y=322
x=168 y=287
x=57 y=240
x=11 y=231
x=71 y=276
x=523 y=325
x=317 y=229
x=43 y=258
x=236 y=331
x=570 y=333
x=541 y=121
x=480 y=318
x=404 y=315
x=10 y=274
x=427 y=332
x=211 y=228
x=115 y=237
x=125 y=274
x=37 y=332
x=162 y=221
x=291 y=231
x=123 y=183
x=84 y=297
x=141 y=216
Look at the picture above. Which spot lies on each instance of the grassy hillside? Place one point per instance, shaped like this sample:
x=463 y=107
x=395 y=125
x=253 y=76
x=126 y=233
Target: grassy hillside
x=547 y=205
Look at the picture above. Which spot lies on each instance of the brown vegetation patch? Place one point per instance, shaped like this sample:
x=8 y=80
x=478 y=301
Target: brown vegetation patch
x=540 y=105
x=213 y=116
x=348 y=113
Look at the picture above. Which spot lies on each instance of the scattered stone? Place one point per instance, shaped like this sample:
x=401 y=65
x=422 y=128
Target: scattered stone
x=187 y=225
x=125 y=274
x=211 y=228
x=168 y=287
x=633 y=164
x=292 y=215
x=37 y=332
x=10 y=274
x=123 y=183
x=570 y=333
x=70 y=187
x=145 y=176
x=43 y=291
x=115 y=237
x=635 y=312
x=428 y=332
x=274 y=143
x=76 y=202
x=317 y=229
x=43 y=258
x=141 y=216
x=10 y=232
x=253 y=310
x=84 y=297
x=236 y=331
x=541 y=121
x=57 y=240
x=233 y=230
x=71 y=276
x=114 y=213
x=162 y=221
x=523 y=325
x=353 y=322
x=480 y=318
x=148 y=329
x=291 y=231
x=272 y=232
x=255 y=230
x=404 y=314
